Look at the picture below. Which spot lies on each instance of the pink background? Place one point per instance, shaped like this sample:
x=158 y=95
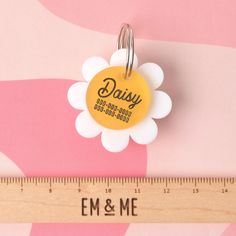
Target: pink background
x=42 y=47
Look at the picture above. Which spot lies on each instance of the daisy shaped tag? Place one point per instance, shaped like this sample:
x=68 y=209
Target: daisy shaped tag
x=118 y=108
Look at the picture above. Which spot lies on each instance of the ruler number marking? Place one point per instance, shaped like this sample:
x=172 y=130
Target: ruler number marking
x=137 y=190
x=108 y=190
x=166 y=190
x=224 y=190
x=195 y=190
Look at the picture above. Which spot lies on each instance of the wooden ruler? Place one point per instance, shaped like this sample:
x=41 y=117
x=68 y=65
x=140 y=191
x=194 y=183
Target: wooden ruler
x=117 y=199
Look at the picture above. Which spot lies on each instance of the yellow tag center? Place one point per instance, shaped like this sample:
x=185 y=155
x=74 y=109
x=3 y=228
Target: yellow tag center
x=115 y=102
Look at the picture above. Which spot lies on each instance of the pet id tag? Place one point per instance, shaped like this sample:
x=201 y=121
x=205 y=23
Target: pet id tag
x=119 y=99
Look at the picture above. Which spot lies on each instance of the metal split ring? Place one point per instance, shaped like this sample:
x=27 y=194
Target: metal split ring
x=126 y=40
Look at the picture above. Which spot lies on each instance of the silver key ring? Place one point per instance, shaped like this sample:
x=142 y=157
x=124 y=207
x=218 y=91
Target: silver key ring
x=126 y=40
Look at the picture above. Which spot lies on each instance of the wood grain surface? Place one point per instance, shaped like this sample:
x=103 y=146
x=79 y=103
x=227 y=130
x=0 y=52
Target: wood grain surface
x=117 y=199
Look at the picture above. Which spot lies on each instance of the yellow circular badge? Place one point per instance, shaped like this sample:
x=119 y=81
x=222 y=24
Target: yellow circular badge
x=115 y=102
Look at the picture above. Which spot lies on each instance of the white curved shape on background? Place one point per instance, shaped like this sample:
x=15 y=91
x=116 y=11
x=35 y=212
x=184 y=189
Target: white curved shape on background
x=42 y=52
x=176 y=229
x=9 y=168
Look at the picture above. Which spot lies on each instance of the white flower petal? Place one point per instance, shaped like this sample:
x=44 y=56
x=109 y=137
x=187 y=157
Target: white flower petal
x=86 y=126
x=144 y=132
x=119 y=58
x=152 y=73
x=92 y=66
x=161 y=105
x=77 y=95
x=115 y=140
